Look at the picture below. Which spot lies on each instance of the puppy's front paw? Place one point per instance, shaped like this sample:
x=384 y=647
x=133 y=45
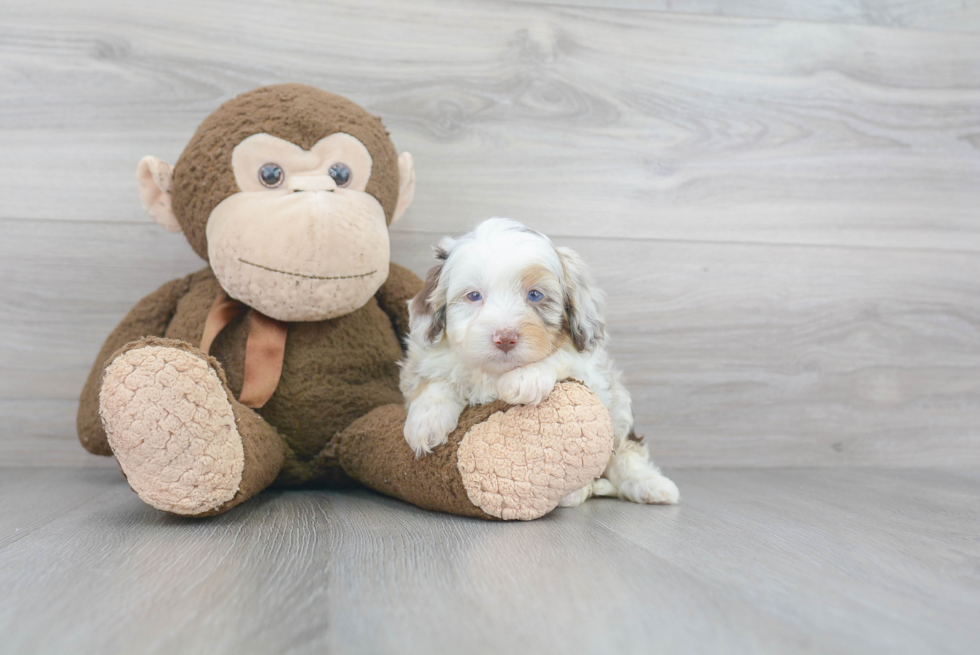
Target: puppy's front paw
x=527 y=385
x=428 y=426
x=652 y=489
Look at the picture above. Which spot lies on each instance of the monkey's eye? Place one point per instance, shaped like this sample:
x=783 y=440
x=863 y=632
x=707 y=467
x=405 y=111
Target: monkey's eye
x=271 y=175
x=534 y=295
x=341 y=174
x=475 y=296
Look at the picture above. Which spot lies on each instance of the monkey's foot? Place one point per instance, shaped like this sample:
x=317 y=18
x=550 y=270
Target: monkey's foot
x=518 y=464
x=501 y=462
x=171 y=425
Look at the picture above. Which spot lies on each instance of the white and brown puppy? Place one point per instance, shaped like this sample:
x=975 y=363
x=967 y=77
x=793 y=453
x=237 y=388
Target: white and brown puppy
x=505 y=314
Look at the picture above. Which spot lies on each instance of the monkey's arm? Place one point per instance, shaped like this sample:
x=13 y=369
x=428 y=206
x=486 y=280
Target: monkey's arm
x=149 y=318
x=393 y=296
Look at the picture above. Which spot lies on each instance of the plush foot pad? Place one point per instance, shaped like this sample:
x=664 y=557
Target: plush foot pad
x=171 y=426
x=520 y=463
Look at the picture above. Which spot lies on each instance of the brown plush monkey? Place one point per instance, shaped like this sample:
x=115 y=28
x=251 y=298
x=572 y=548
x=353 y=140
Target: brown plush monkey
x=277 y=362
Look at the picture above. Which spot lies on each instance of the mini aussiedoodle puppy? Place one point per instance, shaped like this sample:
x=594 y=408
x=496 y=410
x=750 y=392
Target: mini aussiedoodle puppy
x=505 y=314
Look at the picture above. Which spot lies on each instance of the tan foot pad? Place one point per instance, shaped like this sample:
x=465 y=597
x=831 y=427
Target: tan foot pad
x=172 y=428
x=518 y=464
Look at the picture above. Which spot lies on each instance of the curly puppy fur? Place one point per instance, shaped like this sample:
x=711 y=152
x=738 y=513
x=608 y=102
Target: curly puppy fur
x=506 y=315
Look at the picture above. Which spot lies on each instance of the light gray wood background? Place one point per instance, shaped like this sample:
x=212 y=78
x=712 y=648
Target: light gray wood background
x=781 y=199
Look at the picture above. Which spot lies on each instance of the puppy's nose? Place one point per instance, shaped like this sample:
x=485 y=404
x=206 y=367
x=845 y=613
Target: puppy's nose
x=505 y=339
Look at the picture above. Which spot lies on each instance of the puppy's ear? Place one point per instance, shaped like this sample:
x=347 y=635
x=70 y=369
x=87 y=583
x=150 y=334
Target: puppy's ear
x=582 y=302
x=427 y=310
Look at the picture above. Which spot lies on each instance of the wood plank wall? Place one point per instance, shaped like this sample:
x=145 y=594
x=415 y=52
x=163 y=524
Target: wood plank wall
x=781 y=199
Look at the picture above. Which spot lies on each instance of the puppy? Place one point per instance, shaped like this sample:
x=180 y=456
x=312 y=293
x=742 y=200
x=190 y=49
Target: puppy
x=505 y=314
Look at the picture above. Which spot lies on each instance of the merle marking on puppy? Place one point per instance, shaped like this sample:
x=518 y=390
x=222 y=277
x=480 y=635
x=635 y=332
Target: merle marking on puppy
x=505 y=314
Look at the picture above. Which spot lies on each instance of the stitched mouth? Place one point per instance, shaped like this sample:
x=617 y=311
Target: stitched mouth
x=308 y=277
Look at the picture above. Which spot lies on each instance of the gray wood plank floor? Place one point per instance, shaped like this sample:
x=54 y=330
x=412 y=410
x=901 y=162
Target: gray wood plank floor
x=752 y=561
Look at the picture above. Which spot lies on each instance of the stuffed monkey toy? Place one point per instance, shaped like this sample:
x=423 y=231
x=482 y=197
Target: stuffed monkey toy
x=277 y=363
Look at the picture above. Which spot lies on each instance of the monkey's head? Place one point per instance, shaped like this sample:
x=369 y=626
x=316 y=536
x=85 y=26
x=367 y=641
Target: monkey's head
x=288 y=192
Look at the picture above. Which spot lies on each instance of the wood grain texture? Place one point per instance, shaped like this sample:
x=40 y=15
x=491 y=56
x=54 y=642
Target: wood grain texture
x=751 y=561
x=941 y=15
x=593 y=122
x=735 y=354
x=34 y=497
x=780 y=201
x=783 y=213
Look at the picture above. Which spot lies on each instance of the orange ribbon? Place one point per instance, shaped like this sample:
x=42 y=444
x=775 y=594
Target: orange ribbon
x=265 y=347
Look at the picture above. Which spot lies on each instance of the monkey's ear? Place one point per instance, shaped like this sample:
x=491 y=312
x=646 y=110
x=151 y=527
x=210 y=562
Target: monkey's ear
x=406 y=184
x=154 y=178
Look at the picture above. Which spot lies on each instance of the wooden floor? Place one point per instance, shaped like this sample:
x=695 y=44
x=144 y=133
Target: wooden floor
x=752 y=561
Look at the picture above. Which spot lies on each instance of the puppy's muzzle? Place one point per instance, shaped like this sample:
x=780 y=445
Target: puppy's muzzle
x=505 y=340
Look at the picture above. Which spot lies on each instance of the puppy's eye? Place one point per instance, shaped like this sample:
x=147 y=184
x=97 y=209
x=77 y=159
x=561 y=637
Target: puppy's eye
x=475 y=296
x=534 y=295
x=271 y=175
